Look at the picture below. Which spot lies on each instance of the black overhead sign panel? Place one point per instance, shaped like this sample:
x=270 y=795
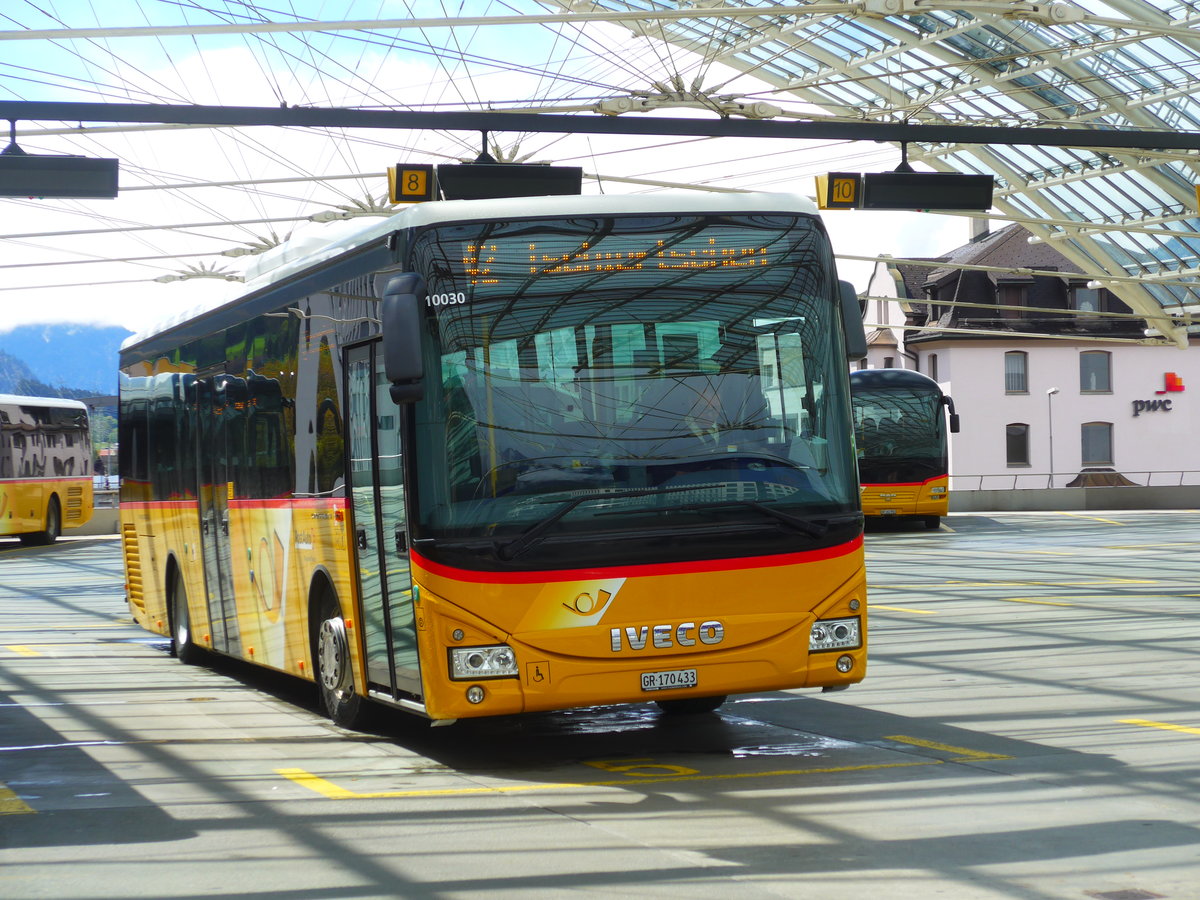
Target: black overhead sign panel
x=28 y=175
x=904 y=190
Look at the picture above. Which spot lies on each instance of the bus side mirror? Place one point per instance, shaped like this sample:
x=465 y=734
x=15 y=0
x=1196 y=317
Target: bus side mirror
x=400 y=311
x=953 y=415
x=852 y=323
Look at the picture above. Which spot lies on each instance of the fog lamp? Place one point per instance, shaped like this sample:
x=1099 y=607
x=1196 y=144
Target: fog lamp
x=845 y=663
x=474 y=694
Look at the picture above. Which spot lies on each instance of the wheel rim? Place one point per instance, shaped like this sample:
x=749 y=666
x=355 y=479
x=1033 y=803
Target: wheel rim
x=183 y=629
x=333 y=653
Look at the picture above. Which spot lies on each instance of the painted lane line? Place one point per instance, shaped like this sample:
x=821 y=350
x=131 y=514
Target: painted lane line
x=961 y=753
x=11 y=804
x=335 y=792
x=1089 y=518
x=22 y=650
x=1165 y=726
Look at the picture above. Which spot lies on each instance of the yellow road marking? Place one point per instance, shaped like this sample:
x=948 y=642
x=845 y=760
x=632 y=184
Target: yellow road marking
x=1166 y=726
x=1092 y=518
x=919 y=612
x=22 y=651
x=334 y=792
x=11 y=804
x=961 y=753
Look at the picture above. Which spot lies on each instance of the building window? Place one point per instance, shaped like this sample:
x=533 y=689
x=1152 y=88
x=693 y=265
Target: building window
x=889 y=362
x=1085 y=299
x=933 y=366
x=1010 y=294
x=1095 y=372
x=1016 y=372
x=1017 y=443
x=1096 y=439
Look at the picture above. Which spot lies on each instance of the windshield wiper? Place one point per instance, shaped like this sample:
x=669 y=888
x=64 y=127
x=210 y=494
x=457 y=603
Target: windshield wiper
x=527 y=539
x=813 y=527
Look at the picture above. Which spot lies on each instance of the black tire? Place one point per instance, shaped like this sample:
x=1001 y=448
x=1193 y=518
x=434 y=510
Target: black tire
x=331 y=659
x=182 y=646
x=53 y=527
x=691 y=706
x=933 y=522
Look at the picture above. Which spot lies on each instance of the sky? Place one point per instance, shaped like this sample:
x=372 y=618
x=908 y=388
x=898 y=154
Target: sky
x=191 y=196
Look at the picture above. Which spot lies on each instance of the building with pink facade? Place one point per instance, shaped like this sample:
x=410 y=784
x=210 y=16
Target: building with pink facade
x=1060 y=389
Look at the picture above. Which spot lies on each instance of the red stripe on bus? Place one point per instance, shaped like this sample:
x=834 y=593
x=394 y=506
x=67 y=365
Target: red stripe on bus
x=902 y=483
x=300 y=503
x=291 y=503
x=650 y=569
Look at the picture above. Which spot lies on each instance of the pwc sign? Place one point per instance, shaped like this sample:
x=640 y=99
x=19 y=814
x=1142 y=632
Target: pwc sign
x=1172 y=383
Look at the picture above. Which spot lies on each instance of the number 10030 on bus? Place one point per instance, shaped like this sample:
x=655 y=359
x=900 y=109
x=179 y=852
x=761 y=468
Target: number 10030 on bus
x=503 y=456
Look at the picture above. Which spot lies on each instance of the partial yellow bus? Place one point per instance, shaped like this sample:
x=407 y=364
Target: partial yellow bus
x=45 y=467
x=901 y=428
x=494 y=457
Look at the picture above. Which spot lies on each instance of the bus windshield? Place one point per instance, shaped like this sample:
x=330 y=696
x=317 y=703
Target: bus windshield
x=900 y=432
x=596 y=375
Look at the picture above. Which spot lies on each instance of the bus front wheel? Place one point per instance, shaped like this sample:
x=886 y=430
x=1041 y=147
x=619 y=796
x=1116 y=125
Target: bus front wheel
x=335 y=678
x=933 y=522
x=182 y=646
x=53 y=527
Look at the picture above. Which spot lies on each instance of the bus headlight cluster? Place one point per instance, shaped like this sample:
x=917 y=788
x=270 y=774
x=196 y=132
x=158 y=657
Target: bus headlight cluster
x=482 y=662
x=834 y=634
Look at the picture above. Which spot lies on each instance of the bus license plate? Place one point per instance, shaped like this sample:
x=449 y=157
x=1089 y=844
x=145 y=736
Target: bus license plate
x=664 y=681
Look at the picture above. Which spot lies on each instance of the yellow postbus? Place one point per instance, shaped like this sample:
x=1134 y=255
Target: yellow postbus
x=900 y=428
x=496 y=456
x=45 y=467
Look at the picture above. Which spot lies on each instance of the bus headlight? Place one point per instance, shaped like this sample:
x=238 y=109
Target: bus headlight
x=482 y=662
x=834 y=634
x=937 y=490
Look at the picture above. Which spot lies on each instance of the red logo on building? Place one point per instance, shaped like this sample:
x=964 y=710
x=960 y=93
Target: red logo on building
x=1173 y=383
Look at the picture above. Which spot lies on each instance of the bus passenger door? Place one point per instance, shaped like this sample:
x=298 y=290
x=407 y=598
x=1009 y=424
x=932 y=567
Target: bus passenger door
x=212 y=409
x=381 y=526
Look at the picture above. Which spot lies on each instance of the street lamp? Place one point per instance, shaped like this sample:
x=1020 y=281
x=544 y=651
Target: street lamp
x=1050 y=427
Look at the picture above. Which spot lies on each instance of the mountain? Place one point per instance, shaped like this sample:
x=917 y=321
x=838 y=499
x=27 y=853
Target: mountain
x=60 y=360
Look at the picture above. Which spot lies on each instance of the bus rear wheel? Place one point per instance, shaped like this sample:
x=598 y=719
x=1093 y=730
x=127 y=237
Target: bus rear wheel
x=53 y=527
x=335 y=678
x=691 y=706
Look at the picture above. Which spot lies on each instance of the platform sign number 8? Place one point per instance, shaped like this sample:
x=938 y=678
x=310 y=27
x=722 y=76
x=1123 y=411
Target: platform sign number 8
x=412 y=183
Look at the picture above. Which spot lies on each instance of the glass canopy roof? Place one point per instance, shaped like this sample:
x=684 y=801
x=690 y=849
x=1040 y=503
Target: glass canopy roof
x=1125 y=65
x=199 y=200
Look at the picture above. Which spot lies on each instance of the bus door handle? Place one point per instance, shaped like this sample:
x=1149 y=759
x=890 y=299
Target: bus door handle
x=401 y=540
x=225 y=524
x=362 y=539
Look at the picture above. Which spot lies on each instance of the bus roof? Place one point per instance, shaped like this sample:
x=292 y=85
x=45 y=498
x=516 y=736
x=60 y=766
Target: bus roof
x=55 y=402
x=883 y=379
x=316 y=245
